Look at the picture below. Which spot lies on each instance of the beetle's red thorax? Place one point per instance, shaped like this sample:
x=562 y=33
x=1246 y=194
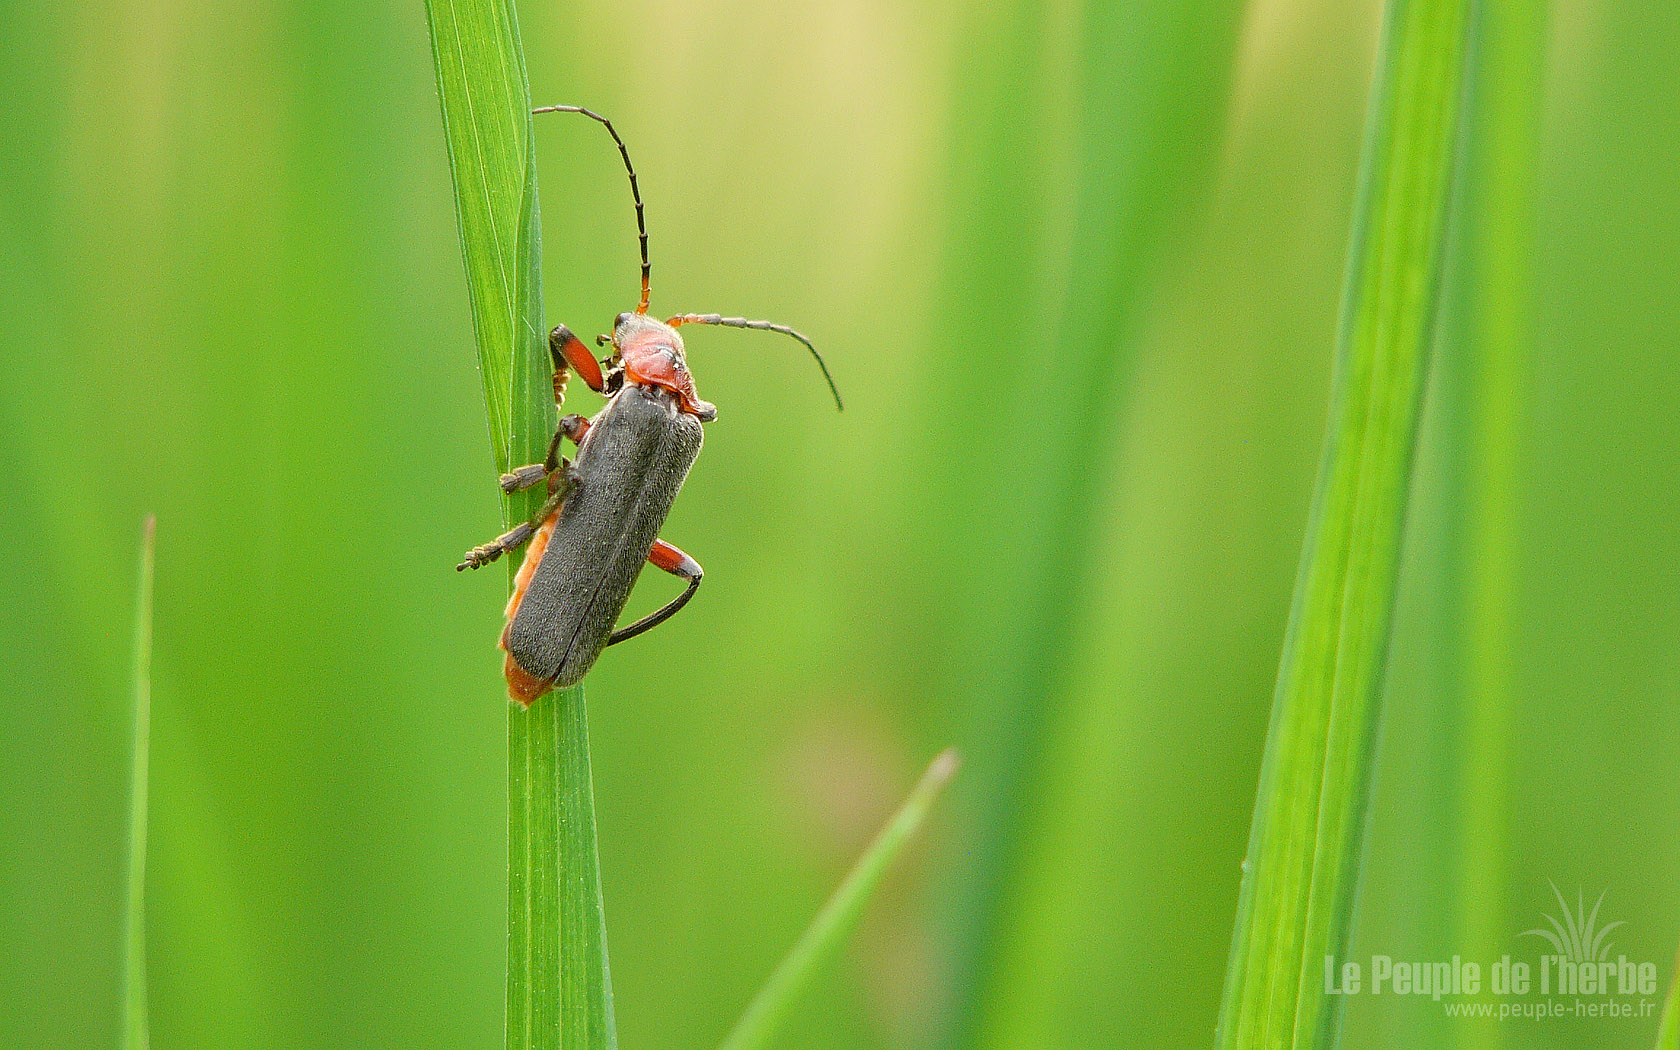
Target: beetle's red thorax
x=653 y=356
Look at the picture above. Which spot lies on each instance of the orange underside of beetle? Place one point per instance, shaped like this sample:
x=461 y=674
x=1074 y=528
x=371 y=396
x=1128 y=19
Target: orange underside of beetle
x=522 y=685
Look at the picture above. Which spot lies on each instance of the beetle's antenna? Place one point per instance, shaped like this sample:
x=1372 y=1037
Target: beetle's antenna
x=762 y=326
x=635 y=191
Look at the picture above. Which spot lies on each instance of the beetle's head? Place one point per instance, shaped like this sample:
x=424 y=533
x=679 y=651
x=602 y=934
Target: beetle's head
x=639 y=333
x=652 y=354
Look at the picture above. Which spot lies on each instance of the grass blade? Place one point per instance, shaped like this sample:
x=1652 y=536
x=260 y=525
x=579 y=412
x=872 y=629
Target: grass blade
x=136 y=1032
x=487 y=126
x=769 y=1008
x=1296 y=901
x=558 y=984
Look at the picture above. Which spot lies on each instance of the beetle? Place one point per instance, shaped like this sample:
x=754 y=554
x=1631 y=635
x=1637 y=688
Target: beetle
x=600 y=523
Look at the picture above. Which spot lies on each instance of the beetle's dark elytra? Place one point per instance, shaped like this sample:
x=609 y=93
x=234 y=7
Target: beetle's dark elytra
x=629 y=470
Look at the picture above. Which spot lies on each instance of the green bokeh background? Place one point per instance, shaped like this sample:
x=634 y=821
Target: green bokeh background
x=1076 y=268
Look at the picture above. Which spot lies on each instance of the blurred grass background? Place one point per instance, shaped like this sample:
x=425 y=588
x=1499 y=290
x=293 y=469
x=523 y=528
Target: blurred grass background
x=1075 y=267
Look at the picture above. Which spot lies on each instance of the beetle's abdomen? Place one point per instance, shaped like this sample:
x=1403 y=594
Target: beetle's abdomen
x=629 y=469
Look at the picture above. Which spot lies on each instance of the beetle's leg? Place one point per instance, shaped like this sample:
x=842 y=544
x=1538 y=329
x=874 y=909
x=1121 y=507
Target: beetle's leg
x=568 y=351
x=667 y=557
x=479 y=557
x=524 y=477
x=563 y=482
x=572 y=428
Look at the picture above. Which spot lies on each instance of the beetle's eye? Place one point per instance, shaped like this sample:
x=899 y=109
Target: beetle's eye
x=622 y=320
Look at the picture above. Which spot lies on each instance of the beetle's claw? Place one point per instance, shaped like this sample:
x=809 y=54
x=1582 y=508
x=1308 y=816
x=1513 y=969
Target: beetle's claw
x=479 y=557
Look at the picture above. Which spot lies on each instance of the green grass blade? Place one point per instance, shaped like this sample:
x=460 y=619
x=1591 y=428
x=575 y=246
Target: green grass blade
x=1302 y=868
x=136 y=1033
x=558 y=984
x=487 y=125
x=1668 y=1029
x=559 y=990
x=769 y=1008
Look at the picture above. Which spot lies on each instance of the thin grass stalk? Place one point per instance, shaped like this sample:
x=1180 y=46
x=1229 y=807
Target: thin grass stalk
x=1296 y=901
x=559 y=988
x=1668 y=1026
x=766 y=1015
